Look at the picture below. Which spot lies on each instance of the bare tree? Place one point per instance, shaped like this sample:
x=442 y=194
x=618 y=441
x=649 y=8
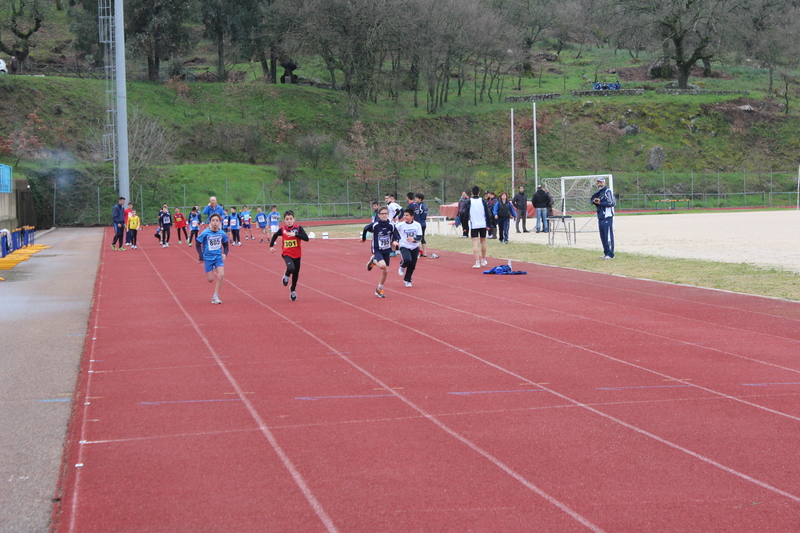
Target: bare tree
x=20 y=21
x=688 y=30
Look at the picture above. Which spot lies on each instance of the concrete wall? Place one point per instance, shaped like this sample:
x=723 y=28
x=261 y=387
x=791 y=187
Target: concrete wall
x=8 y=210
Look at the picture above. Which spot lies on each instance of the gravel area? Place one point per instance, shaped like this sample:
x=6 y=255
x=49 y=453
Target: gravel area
x=763 y=238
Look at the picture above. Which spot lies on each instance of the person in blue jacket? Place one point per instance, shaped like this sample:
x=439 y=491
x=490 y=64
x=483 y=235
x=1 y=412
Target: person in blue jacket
x=503 y=213
x=118 y=219
x=604 y=202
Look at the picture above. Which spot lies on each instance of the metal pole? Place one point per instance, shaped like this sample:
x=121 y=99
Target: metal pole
x=798 y=188
x=535 y=150
x=512 y=150
x=122 y=101
x=98 y=205
x=54 y=202
x=184 y=197
x=226 y=192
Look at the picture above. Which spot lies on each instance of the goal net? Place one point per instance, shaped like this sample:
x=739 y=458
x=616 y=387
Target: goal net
x=572 y=194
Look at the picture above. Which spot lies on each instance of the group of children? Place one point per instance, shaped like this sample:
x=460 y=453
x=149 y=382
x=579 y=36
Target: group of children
x=213 y=242
x=394 y=228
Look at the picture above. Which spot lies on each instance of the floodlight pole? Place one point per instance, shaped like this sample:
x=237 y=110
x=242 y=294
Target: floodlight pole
x=122 y=102
x=798 y=188
x=512 y=150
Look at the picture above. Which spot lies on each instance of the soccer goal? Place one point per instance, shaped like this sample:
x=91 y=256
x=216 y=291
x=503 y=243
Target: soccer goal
x=572 y=194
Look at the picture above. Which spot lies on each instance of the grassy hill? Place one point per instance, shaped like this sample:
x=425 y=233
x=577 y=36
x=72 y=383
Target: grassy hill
x=248 y=141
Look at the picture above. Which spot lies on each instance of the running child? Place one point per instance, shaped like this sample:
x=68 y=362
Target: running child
x=291 y=236
x=212 y=249
x=194 y=224
x=410 y=236
x=384 y=238
x=165 y=224
x=234 y=224
x=421 y=216
x=261 y=220
x=225 y=222
x=180 y=224
x=133 y=227
x=247 y=223
x=274 y=219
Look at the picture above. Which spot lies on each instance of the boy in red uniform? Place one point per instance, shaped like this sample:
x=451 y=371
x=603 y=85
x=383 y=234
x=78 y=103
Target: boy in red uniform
x=180 y=224
x=291 y=236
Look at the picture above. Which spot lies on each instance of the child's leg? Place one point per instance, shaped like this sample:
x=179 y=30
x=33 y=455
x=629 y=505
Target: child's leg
x=220 y=276
x=167 y=231
x=296 y=274
x=410 y=263
x=384 y=272
x=134 y=236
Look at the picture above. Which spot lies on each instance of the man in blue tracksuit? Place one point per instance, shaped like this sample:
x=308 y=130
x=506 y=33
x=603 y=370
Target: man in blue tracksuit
x=604 y=201
x=118 y=218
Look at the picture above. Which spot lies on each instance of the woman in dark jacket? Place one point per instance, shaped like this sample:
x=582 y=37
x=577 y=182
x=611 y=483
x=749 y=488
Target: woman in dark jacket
x=463 y=214
x=503 y=213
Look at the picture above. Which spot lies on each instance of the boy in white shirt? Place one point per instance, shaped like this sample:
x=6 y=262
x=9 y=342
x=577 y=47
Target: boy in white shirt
x=410 y=236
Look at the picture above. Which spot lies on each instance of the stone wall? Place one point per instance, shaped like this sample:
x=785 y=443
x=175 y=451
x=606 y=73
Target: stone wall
x=609 y=92
x=679 y=92
x=532 y=97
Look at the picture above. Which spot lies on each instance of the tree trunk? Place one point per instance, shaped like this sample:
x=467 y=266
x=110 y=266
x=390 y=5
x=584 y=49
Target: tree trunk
x=706 y=67
x=221 y=56
x=262 y=58
x=153 y=65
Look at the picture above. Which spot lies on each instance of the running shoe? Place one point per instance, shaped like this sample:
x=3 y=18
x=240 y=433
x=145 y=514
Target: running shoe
x=216 y=300
x=408 y=283
x=379 y=293
x=401 y=271
x=484 y=262
x=371 y=264
x=285 y=280
x=180 y=242
x=293 y=296
x=123 y=249
x=477 y=264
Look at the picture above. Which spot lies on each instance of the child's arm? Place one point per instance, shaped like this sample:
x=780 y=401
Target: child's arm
x=365 y=231
x=301 y=233
x=199 y=247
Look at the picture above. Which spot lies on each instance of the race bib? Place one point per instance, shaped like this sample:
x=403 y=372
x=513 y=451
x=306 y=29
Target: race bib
x=214 y=242
x=384 y=242
x=290 y=244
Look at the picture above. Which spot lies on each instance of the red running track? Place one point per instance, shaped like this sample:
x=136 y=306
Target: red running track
x=554 y=402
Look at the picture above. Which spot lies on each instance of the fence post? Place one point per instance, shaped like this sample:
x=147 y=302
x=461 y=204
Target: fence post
x=98 y=205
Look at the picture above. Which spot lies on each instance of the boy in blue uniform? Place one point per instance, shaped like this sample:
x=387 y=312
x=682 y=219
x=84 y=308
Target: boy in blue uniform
x=261 y=220
x=384 y=239
x=274 y=220
x=234 y=223
x=194 y=225
x=212 y=248
x=247 y=223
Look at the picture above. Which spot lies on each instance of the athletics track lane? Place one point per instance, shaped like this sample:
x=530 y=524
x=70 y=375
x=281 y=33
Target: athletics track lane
x=468 y=402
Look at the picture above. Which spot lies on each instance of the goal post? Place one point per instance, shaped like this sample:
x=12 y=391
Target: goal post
x=572 y=194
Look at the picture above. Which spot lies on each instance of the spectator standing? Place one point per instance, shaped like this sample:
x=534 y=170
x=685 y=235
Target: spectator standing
x=463 y=214
x=14 y=64
x=213 y=207
x=520 y=203
x=118 y=219
x=604 y=201
x=541 y=201
x=503 y=213
x=491 y=199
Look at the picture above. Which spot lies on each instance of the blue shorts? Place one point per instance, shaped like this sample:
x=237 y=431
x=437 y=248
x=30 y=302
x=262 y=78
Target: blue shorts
x=262 y=226
x=246 y=226
x=382 y=255
x=214 y=264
